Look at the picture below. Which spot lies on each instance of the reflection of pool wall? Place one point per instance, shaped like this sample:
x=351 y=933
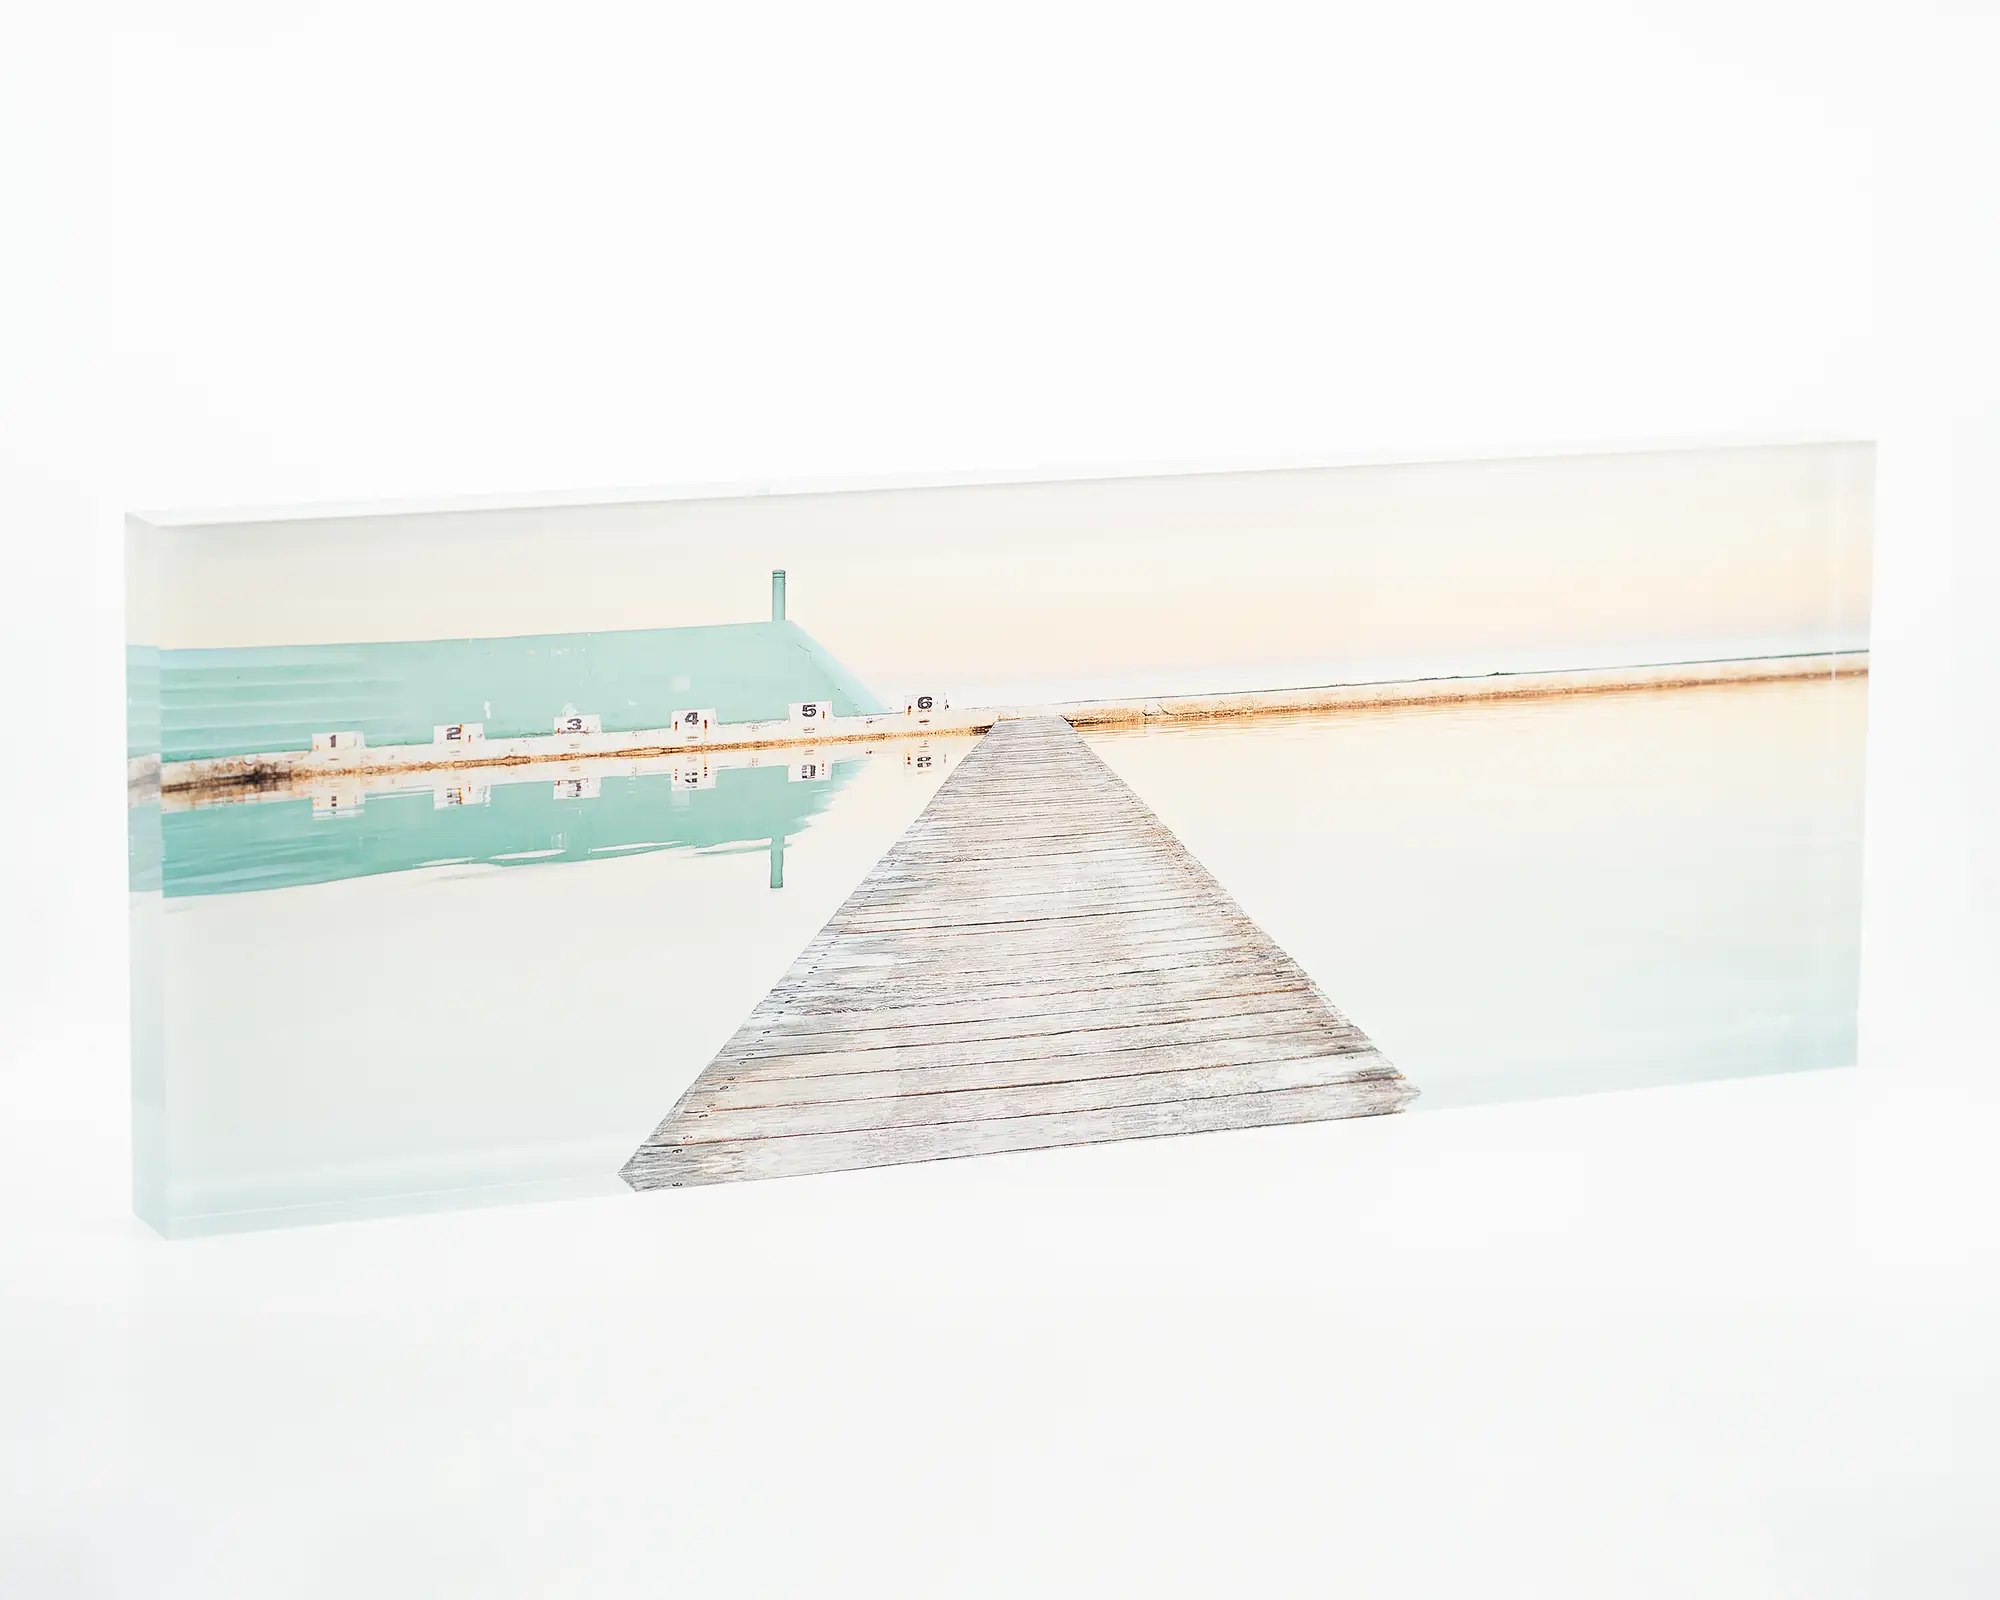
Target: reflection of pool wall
x=250 y=701
x=274 y=844
x=407 y=1040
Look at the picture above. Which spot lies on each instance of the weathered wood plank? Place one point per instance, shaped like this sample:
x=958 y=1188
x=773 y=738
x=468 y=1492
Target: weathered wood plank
x=1003 y=1007
x=752 y=1089
x=1035 y=1021
x=722 y=1123
x=1054 y=954
x=1037 y=961
x=661 y=1165
x=853 y=992
x=1115 y=1037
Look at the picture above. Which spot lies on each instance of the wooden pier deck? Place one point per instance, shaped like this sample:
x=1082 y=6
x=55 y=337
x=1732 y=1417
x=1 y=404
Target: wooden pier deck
x=1037 y=961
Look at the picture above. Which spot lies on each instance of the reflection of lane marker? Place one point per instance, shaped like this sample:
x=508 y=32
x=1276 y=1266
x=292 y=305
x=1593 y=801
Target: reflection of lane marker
x=460 y=794
x=491 y=763
x=341 y=803
x=578 y=788
x=809 y=768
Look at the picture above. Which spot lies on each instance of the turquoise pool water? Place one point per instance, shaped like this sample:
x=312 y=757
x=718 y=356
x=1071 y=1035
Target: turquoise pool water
x=420 y=1004
x=281 y=843
x=251 y=701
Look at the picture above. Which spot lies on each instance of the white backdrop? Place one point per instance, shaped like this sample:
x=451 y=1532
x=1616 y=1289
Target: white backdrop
x=1730 y=1340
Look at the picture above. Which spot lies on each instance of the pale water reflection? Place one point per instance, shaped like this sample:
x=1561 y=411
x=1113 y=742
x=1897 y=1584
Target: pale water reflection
x=1544 y=897
x=495 y=994
x=496 y=991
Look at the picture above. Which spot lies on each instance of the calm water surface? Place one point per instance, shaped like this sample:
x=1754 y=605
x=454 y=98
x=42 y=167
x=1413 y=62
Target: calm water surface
x=477 y=992
x=445 y=997
x=1546 y=897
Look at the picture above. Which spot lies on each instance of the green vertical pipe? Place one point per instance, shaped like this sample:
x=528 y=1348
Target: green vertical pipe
x=778 y=594
x=778 y=862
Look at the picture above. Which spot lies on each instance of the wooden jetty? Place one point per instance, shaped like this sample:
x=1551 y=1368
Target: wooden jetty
x=1037 y=961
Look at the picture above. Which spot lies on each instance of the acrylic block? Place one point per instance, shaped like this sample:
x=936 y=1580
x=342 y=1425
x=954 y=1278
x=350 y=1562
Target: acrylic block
x=534 y=849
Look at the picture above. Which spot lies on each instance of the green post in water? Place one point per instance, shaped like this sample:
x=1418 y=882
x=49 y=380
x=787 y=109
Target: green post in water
x=778 y=594
x=778 y=863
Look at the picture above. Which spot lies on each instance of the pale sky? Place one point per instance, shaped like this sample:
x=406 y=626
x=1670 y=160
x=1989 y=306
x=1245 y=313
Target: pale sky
x=1138 y=585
